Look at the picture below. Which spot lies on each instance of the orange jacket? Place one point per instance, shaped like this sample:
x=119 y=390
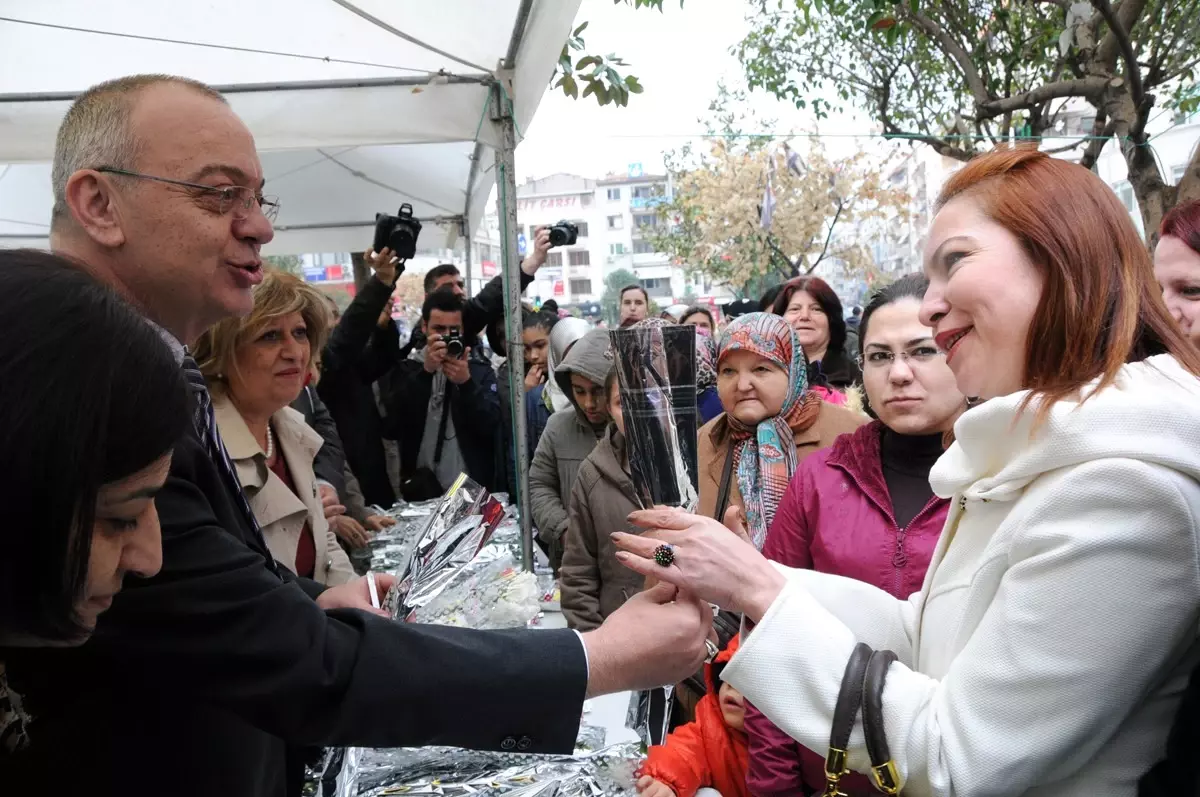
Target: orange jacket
x=706 y=752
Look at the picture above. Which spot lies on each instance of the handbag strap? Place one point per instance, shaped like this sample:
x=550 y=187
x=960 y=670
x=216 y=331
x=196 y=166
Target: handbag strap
x=883 y=768
x=723 y=491
x=845 y=711
x=441 y=441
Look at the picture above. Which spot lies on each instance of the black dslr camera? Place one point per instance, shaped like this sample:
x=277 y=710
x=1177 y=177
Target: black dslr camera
x=563 y=234
x=454 y=343
x=398 y=233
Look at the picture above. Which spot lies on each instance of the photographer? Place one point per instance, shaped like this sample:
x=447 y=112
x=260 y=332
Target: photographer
x=444 y=406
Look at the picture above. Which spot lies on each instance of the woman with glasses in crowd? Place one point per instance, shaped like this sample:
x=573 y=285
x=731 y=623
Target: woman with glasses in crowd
x=863 y=507
x=93 y=403
x=1054 y=633
x=256 y=366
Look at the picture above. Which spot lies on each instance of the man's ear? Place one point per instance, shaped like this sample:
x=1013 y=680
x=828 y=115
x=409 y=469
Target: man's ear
x=92 y=205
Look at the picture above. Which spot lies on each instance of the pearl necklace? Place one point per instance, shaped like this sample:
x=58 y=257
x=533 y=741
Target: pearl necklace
x=270 y=443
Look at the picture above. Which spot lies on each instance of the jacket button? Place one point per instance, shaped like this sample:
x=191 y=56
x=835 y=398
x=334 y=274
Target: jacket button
x=524 y=744
x=509 y=744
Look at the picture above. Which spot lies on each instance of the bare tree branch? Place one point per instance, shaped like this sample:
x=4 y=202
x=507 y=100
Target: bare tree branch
x=832 y=224
x=1102 y=132
x=1126 y=17
x=956 y=51
x=1088 y=87
x=1118 y=30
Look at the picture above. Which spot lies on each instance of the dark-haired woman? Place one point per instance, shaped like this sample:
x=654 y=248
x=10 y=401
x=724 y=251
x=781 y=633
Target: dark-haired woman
x=1058 y=623
x=92 y=402
x=699 y=316
x=863 y=507
x=815 y=313
x=1177 y=266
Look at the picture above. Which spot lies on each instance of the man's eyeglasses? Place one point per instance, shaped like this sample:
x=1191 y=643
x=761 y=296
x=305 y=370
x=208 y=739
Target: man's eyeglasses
x=880 y=358
x=238 y=198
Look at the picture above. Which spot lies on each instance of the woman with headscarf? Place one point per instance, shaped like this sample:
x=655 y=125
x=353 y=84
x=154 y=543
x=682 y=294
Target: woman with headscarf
x=708 y=402
x=771 y=422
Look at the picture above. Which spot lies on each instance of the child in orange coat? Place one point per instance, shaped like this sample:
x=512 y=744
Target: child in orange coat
x=712 y=751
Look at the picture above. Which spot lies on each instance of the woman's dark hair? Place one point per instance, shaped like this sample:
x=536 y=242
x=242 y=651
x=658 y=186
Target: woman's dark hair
x=911 y=286
x=824 y=296
x=693 y=310
x=767 y=300
x=91 y=395
x=629 y=288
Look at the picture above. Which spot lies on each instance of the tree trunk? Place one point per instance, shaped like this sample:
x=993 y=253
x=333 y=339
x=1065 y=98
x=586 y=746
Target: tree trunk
x=1154 y=196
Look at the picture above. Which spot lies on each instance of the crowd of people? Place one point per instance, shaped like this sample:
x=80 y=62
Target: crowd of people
x=987 y=478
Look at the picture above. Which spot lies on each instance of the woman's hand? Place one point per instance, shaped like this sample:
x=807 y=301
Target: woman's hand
x=349 y=530
x=649 y=787
x=710 y=562
x=534 y=377
x=378 y=522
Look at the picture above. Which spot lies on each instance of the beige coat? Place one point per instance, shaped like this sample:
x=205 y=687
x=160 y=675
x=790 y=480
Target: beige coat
x=281 y=513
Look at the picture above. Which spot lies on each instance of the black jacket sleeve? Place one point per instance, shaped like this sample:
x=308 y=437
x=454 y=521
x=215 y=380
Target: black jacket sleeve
x=329 y=465
x=478 y=403
x=216 y=627
x=344 y=350
x=486 y=306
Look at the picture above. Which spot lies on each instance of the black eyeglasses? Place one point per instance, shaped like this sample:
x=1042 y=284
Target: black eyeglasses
x=238 y=198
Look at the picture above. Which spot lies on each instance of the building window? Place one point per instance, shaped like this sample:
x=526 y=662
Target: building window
x=583 y=228
x=581 y=287
x=616 y=222
x=616 y=249
x=1124 y=193
x=645 y=220
x=643 y=248
x=657 y=287
x=614 y=195
x=554 y=259
x=643 y=191
x=485 y=252
x=579 y=258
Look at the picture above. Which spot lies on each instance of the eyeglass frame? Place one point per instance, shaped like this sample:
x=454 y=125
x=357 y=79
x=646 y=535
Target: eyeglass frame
x=268 y=204
x=906 y=356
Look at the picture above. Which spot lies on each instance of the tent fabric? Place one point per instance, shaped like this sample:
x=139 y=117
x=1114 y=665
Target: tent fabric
x=315 y=80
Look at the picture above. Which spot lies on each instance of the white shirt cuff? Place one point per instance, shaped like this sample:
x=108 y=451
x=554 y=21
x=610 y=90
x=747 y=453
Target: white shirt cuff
x=586 y=663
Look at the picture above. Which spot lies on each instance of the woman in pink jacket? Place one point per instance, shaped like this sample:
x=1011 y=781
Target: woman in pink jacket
x=863 y=507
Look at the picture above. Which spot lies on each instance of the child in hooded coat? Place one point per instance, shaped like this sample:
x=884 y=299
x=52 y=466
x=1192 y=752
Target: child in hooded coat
x=711 y=751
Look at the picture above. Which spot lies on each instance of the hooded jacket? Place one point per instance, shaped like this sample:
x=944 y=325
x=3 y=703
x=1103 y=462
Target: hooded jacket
x=564 y=335
x=706 y=752
x=836 y=517
x=593 y=583
x=1054 y=633
x=565 y=444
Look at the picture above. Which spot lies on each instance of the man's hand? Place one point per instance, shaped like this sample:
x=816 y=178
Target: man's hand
x=386 y=265
x=349 y=530
x=435 y=353
x=356 y=594
x=656 y=638
x=456 y=369
x=330 y=502
x=534 y=377
x=385 y=317
x=541 y=247
x=378 y=522
x=649 y=787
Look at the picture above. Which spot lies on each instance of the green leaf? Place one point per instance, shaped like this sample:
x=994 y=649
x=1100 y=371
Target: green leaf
x=591 y=89
x=570 y=87
x=633 y=85
x=585 y=62
x=580 y=29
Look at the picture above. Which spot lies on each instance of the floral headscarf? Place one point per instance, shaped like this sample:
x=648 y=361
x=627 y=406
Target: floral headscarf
x=765 y=455
x=706 y=360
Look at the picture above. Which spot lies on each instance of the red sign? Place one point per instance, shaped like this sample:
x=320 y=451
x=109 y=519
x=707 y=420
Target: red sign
x=549 y=202
x=489 y=268
x=558 y=288
x=334 y=273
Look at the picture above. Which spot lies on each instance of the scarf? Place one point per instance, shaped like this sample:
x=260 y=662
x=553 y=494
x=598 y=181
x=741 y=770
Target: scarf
x=706 y=361
x=765 y=455
x=562 y=336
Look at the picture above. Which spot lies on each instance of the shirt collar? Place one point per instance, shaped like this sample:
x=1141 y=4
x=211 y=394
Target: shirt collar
x=177 y=348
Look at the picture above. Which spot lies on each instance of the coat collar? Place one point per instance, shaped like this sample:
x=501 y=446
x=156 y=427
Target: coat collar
x=859 y=455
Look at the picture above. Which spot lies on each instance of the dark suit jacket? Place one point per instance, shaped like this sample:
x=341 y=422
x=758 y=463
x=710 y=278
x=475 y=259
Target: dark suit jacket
x=197 y=680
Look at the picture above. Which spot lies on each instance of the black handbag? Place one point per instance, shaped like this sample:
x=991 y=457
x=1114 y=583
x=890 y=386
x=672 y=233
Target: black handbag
x=423 y=484
x=862 y=686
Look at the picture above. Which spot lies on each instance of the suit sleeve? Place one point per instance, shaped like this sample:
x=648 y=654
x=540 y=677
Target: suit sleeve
x=774 y=758
x=356 y=505
x=580 y=571
x=486 y=306
x=545 y=496
x=224 y=630
x=680 y=762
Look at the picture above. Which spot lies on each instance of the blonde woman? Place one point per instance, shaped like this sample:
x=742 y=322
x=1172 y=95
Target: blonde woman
x=256 y=366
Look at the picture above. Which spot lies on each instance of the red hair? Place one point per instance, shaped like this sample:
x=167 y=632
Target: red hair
x=1183 y=222
x=1101 y=307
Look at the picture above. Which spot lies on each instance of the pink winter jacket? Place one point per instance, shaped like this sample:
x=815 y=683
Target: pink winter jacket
x=836 y=517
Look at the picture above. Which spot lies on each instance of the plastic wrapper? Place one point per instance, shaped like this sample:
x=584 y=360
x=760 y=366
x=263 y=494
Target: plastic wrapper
x=453 y=536
x=491 y=592
x=451 y=772
x=650 y=714
x=656 y=369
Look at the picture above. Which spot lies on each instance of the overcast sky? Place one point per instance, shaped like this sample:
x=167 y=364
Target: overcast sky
x=678 y=55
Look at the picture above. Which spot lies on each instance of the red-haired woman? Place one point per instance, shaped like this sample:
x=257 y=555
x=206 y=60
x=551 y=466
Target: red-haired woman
x=1177 y=266
x=1052 y=638
x=815 y=312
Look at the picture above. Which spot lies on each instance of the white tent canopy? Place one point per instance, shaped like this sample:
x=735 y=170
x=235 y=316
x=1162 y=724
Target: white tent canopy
x=356 y=105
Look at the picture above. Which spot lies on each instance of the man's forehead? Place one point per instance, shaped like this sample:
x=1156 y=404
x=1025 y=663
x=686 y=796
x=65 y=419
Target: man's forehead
x=187 y=135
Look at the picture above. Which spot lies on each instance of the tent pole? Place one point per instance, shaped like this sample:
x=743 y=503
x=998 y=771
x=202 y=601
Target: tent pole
x=506 y=185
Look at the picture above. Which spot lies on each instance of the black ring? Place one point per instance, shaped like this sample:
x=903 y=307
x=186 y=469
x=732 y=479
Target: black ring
x=664 y=555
